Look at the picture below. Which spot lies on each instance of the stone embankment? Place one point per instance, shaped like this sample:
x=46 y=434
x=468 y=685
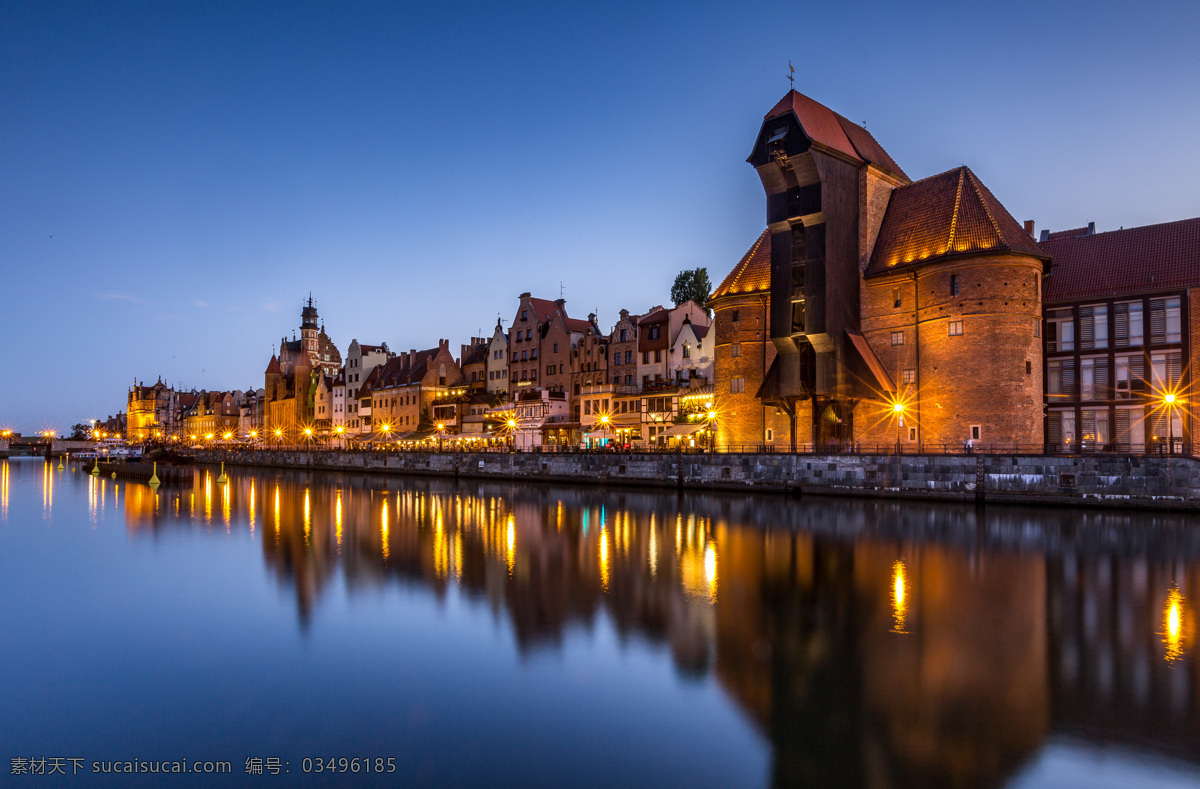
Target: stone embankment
x=1099 y=480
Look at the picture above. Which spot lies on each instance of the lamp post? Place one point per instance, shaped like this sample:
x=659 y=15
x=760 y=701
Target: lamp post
x=278 y=437
x=712 y=431
x=1168 y=400
x=898 y=415
x=339 y=430
x=512 y=435
x=441 y=434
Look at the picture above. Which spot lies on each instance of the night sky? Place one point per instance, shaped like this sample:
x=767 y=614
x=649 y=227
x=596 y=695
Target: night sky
x=175 y=178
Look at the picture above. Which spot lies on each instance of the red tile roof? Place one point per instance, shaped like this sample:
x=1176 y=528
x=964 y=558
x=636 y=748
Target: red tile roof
x=576 y=324
x=1120 y=262
x=752 y=274
x=273 y=365
x=825 y=127
x=946 y=215
x=543 y=309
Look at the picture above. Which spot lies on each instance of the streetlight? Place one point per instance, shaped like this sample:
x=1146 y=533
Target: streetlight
x=898 y=415
x=1169 y=403
x=712 y=431
x=441 y=434
x=339 y=430
x=512 y=434
x=278 y=437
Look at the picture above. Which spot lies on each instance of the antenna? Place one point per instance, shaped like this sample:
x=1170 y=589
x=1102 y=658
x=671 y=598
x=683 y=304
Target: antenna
x=791 y=74
x=560 y=289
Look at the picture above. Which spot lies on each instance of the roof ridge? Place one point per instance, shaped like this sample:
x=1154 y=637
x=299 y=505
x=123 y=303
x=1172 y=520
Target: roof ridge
x=984 y=203
x=954 y=214
x=740 y=267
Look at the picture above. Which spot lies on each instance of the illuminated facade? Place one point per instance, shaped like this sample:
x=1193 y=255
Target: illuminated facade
x=293 y=376
x=896 y=311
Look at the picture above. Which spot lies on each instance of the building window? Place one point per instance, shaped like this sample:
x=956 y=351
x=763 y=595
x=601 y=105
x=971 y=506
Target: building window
x=898 y=337
x=1093 y=326
x=658 y=356
x=976 y=432
x=645 y=357
x=629 y=380
x=1061 y=324
x=737 y=385
x=687 y=351
x=654 y=332
x=556 y=347
x=912 y=434
x=524 y=314
x=735 y=350
x=1028 y=367
x=896 y=298
x=956 y=328
x=734 y=317
x=623 y=333
x=910 y=376
x=953 y=284
x=1164 y=321
x=770 y=434
x=1127 y=324
x=550 y=369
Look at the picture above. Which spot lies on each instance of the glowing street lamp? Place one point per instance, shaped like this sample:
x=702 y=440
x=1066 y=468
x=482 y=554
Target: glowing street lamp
x=1169 y=400
x=278 y=436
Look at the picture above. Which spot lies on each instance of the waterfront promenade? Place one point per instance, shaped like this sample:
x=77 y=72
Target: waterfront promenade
x=1158 y=482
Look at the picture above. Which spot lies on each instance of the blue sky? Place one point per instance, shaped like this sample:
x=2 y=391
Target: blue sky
x=175 y=178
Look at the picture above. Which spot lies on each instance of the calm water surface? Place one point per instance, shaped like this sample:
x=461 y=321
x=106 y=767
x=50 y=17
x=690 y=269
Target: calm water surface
x=501 y=635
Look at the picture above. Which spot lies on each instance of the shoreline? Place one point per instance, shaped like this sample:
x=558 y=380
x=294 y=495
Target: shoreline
x=1095 y=482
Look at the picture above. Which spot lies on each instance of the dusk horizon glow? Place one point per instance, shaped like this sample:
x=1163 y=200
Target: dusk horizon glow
x=178 y=178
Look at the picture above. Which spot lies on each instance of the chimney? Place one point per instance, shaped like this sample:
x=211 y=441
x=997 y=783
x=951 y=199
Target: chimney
x=560 y=302
x=1045 y=234
x=525 y=295
x=1091 y=231
x=1029 y=228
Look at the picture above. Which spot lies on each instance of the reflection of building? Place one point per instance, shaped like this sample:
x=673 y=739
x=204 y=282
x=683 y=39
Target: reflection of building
x=879 y=659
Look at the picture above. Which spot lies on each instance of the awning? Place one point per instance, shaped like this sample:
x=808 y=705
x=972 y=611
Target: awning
x=872 y=361
x=602 y=433
x=406 y=436
x=675 y=431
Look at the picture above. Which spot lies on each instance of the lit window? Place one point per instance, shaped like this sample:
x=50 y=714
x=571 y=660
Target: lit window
x=956 y=328
x=735 y=350
x=737 y=385
x=898 y=337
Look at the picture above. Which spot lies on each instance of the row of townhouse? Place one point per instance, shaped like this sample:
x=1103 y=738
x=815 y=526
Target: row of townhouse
x=549 y=380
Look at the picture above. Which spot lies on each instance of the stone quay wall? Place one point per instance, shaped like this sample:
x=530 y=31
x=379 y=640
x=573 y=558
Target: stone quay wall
x=1100 y=480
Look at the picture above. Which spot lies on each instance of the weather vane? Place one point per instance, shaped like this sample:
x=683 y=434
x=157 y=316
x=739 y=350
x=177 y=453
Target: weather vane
x=791 y=74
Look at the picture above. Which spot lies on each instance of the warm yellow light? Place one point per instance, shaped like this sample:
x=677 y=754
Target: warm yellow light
x=899 y=596
x=339 y=429
x=441 y=426
x=604 y=419
x=254 y=434
x=208 y=437
x=308 y=431
x=898 y=408
x=278 y=433
x=512 y=423
x=712 y=414
x=1173 y=625
x=228 y=436
x=1169 y=398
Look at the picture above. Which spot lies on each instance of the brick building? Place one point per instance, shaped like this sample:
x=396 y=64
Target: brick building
x=293 y=376
x=896 y=311
x=1120 y=332
x=398 y=398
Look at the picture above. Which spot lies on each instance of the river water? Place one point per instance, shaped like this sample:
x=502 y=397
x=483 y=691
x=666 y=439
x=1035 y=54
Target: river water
x=525 y=635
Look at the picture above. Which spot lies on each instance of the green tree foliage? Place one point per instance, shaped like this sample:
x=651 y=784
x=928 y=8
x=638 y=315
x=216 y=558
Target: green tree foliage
x=80 y=432
x=692 y=284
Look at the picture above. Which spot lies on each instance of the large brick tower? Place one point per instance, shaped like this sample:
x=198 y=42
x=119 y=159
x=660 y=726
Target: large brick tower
x=826 y=181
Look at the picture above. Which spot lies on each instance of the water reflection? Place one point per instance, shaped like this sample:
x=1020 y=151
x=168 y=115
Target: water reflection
x=870 y=643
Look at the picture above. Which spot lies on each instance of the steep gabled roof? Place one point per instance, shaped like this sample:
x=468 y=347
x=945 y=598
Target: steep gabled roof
x=543 y=309
x=946 y=215
x=825 y=127
x=273 y=365
x=752 y=274
x=1120 y=262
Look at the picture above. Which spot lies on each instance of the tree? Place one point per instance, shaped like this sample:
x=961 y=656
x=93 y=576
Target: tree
x=80 y=432
x=692 y=284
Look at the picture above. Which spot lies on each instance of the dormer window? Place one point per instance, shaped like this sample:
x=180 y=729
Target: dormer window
x=778 y=134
